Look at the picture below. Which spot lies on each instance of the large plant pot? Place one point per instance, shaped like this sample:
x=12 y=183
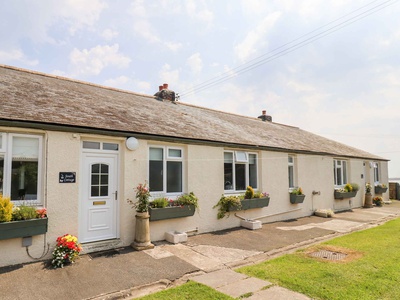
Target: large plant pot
x=343 y=195
x=142 y=232
x=171 y=212
x=380 y=190
x=16 y=229
x=254 y=203
x=368 y=200
x=294 y=199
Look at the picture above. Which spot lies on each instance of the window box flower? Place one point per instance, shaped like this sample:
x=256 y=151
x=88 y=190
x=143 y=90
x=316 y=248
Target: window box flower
x=162 y=208
x=380 y=189
x=171 y=212
x=16 y=229
x=297 y=196
x=349 y=191
x=254 y=203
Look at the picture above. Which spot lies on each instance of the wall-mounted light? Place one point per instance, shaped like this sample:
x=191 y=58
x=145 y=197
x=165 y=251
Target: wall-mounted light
x=132 y=143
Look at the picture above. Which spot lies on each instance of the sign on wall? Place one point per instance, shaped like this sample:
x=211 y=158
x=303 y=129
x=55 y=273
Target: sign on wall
x=67 y=177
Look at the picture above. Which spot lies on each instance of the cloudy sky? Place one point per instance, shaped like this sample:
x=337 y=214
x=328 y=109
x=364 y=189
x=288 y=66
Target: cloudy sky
x=331 y=67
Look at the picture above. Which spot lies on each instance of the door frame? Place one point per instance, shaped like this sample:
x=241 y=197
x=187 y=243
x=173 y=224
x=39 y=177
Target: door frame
x=83 y=184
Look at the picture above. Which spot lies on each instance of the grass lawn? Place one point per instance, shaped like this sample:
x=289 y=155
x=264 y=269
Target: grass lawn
x=190 y=290
x=371 y=269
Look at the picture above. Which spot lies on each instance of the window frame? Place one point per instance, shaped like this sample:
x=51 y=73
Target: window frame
x=6 y=150
x=344 y=173
x=247 y=170
x=165 y=159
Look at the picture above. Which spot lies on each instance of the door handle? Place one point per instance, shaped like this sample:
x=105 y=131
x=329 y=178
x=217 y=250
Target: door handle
x=116 y=195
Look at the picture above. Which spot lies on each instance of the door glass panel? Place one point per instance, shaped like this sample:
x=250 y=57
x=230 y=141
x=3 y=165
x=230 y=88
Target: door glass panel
x=110 y=146
x=99 y=180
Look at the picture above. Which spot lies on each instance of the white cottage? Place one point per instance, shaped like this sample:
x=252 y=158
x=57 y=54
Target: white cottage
x=79 y=149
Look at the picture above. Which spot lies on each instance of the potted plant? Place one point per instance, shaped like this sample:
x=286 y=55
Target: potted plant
x=380 y=188
x=249 y=200
x=142 y=226
x=297 y=196
x=349 y=191
x=378 y=201
x=21 y=221
x=368 y=196
x=67 y=251
x=184 y=206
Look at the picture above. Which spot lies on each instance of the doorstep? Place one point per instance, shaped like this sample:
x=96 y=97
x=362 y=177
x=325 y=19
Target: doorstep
x=101 y=245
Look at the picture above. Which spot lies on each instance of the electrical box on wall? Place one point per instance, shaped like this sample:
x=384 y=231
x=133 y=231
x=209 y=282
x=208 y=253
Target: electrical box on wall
x=27 y=241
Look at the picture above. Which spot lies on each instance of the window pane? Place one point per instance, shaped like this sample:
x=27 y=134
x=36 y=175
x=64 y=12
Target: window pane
x=228 y=157
x=99 y=180
x=1 y=173
x=291 y=178
x=25 y=148
x=156 y=154
x=91 y=145
x=156 y=176
x=175 y=153
x=344 y=168
x=240 y=177
x=339 y=176
x=253 y=170
x=240 y=156
x=174 y=177
x=334 y=172
x=228 y=175
x=24 y=180
x=1 y=140
x=290 y=159
x=110 y=146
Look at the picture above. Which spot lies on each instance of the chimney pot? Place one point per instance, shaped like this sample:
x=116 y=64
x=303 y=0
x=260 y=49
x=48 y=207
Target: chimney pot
x=160 y=87
x=165 y=85
x=264 y=112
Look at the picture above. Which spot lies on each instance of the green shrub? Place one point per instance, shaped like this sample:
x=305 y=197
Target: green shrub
x=159 y=203
x=348 y=188
x=249 y=194
x=188 y=199
x=355 y=187
x=297 y=191
x=24 y=212
x=6 y=208
x=226 y=203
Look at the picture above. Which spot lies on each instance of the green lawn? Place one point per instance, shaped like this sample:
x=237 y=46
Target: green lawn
x=370 y=271
x=190 y=290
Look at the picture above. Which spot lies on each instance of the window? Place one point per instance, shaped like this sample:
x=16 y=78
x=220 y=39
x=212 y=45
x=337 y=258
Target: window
x=340 y=172
x=166 y=169
x=291 y=166
x=20 y=166
x=99 y=146
x=99 y=180
x=376 y=172
x=240 y=170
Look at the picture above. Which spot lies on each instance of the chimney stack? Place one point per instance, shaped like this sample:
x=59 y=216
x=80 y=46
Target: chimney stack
x=165 y=85
x=264 y=117
x=164 y=93
x=160 y=88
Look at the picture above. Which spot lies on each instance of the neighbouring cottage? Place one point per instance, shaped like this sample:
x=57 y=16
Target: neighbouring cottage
x=79 y=149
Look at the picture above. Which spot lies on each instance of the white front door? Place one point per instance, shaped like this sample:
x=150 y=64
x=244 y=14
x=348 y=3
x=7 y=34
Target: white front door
x=99 y=197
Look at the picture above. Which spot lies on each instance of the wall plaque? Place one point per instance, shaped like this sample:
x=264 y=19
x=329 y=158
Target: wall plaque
x=67 y=177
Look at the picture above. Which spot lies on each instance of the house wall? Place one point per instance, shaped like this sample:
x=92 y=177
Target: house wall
x=203 y=175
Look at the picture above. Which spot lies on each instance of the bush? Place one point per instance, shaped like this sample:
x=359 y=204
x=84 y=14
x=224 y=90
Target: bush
x=159 y=203
x=24 y=212
x=188 y=199
x=355 y=187
x=225 y=203
x=348 y=188
x=249 y=194
x=297 y=191
x=6 y=208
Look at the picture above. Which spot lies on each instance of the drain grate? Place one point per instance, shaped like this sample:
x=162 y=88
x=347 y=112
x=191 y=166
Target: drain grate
x=329 y=255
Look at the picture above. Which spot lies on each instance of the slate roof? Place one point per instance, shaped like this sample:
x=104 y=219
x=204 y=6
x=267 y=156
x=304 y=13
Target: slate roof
x=42 y=99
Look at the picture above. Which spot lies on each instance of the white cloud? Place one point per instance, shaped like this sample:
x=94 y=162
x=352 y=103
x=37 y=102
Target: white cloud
x=173 y=46
x=195 y=63
x=167 y=75
x=94 y=60
x=202 y=14
x=117 y=82
x=256 y=37
x=109 y=34
x=16 y=55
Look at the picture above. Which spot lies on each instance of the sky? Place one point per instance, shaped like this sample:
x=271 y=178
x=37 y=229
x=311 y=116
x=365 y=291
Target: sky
x=331 y=67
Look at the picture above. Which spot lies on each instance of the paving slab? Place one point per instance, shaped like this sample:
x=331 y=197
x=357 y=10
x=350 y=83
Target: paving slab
x=238 y=288
x=335 y=225
x=277 y=293
x=223 y=254
x=219 y=278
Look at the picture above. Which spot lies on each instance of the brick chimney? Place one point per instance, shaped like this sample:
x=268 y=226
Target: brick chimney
x=164 y=93
x=264 y=117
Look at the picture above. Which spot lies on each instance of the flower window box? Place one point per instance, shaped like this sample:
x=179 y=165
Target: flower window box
x=380 y=190
x=344 y=195
x=171 y=212
x=294 y=199
x=254 y=203
x=16 y=229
